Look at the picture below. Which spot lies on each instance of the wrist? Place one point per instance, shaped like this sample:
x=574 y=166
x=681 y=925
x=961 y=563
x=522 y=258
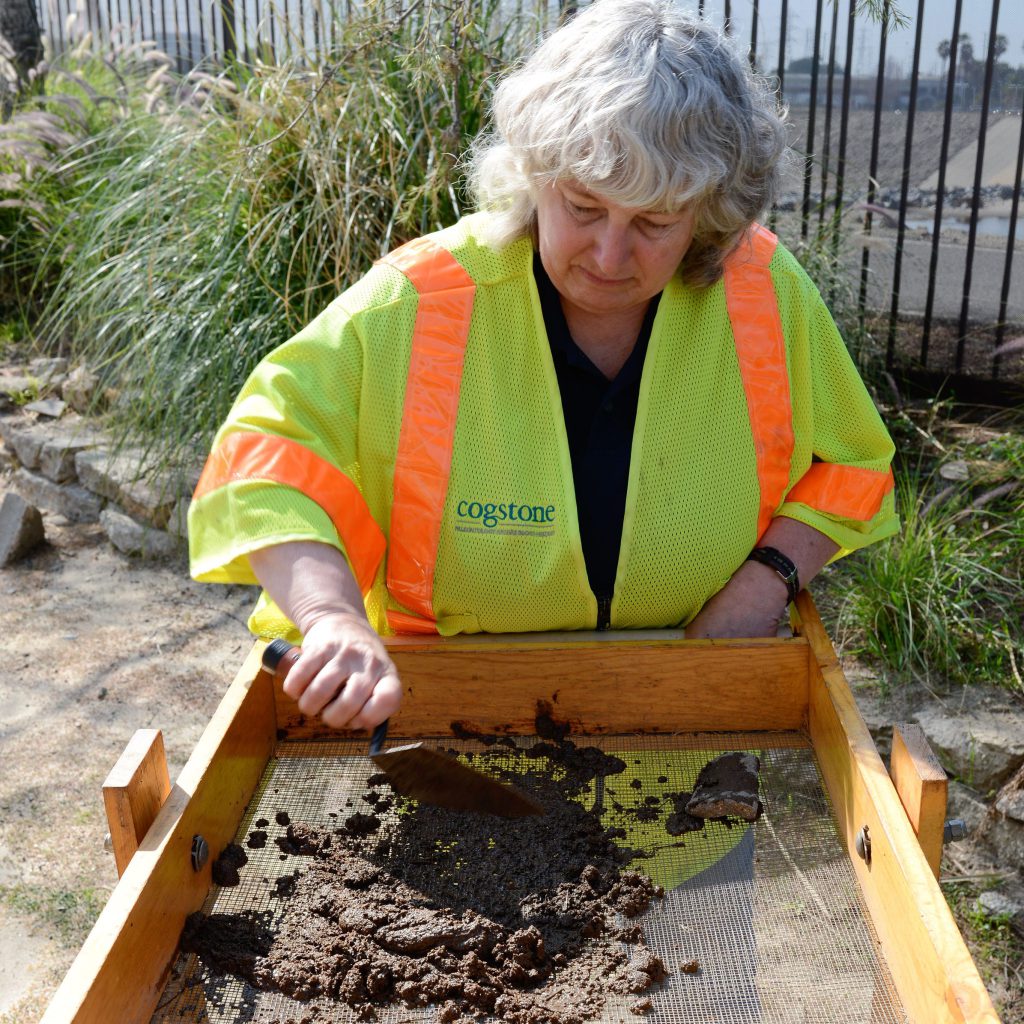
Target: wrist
x=781 y=565
x=762 y=587
x=338 y=617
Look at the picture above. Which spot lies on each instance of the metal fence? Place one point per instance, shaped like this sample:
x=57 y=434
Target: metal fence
x=908 y=154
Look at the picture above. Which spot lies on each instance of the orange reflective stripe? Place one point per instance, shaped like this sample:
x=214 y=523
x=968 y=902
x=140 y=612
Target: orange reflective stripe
x=247 y=455
x=403 y=622
x=847 y=491
x=761 y=351
x=424 y=458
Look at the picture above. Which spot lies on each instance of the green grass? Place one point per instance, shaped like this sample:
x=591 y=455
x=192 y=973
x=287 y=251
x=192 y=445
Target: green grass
x=942 y=600
x=175 y=245
x=71 y=913
x=997 y=949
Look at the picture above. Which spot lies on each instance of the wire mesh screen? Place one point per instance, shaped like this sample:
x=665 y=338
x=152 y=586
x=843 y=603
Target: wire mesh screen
x=760 y=923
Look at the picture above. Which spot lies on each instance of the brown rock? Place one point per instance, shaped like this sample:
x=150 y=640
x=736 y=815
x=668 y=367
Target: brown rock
x=727 y=787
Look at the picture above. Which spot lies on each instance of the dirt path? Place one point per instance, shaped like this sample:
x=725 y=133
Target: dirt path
x=95 y=645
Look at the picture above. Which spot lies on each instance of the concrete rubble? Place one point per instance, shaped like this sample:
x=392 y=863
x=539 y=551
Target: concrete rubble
x=21 y=528
x=61 y=462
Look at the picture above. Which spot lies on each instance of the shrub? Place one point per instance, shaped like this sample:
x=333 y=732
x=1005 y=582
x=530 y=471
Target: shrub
x=193 y=233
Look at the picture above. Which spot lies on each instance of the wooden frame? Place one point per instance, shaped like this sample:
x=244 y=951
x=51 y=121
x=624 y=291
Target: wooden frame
x=674 y=685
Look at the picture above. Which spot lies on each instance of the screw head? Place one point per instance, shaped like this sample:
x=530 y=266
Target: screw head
x=862 y=844
x=200 y=853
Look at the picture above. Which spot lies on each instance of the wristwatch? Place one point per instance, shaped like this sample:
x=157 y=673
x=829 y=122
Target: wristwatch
x=784 y=566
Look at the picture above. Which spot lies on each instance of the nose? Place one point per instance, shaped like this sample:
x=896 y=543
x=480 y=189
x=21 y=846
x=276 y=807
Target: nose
x=611 y=249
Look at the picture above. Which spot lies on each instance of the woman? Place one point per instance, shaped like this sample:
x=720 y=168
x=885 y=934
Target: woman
x=608 y=399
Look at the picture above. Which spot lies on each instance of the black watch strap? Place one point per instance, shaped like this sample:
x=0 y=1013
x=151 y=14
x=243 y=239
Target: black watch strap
x=784 y=566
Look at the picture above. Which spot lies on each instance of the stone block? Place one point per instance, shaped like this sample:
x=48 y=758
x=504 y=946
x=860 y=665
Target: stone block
x=93 y=470
x=45 y=368
x=1011 y=804
x=982 y=746
x=177 y=524
x=50 y=407
x=16 y=386
x=24 y=437
x=964 y=803
x=70 y=500
x=57 y=457
x=1005 y=838
x=147 y=495
x=79 y=389
x=137 y=539
x=21 y=528
x=997 y=904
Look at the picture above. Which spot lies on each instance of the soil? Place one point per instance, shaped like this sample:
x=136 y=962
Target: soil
x=523 y=919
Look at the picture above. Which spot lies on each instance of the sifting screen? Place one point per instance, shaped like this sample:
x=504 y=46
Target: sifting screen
x=772 y=932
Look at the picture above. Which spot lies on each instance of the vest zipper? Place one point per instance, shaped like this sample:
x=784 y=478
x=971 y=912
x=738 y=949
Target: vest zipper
x=604 y=612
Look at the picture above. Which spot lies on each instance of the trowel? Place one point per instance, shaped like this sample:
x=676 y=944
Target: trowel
x=427 y=775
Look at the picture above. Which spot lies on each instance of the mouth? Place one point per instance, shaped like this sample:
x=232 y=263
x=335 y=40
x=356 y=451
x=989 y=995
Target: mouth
x=603 y=282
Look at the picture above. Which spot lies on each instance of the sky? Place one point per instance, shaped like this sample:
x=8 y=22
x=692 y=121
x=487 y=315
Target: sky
x=975 y=20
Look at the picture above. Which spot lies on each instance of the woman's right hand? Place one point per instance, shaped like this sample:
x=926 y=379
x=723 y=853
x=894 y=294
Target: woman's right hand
x=344 y=674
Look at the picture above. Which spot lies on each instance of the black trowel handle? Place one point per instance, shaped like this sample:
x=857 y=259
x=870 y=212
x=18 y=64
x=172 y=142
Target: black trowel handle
x=380 y=734
x=274 y=662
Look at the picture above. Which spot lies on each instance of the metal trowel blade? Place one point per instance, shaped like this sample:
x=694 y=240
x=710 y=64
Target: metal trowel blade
x=435 y=778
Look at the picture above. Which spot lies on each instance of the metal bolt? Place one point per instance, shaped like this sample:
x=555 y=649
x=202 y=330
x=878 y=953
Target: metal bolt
x=862 y=844
x=954 y=830
x=200 y=853
x=108 y=843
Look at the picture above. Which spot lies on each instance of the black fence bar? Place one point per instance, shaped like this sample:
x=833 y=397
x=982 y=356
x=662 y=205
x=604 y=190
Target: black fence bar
x=754 y=18
x=1011 y=236
x=843 y=138
x=972 y=236
x=783 y=29
x=826 y=140
x=805 y=208
x=876 y=125
x=940 y=190
x=226 y=9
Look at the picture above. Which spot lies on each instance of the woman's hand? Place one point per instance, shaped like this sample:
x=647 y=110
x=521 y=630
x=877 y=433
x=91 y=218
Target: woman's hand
x=753 y=601
x=343 y=673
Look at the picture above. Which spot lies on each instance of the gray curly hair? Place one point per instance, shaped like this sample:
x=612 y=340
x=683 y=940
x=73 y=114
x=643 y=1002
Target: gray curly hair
x=641 y=102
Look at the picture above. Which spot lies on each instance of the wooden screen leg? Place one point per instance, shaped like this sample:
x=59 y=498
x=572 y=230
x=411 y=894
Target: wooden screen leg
x=922 y=786
x=134 y=792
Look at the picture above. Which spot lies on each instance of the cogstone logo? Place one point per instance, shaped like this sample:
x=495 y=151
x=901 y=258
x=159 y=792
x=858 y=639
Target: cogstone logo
x=507 y=518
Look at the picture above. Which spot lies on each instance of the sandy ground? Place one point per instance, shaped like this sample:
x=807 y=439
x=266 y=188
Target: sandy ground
x=95 y=646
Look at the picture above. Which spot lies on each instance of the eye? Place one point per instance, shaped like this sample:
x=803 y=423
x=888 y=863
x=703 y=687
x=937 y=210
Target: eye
x=579 y=211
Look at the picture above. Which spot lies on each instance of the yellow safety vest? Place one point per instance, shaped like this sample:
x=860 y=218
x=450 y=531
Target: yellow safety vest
x=416 y=424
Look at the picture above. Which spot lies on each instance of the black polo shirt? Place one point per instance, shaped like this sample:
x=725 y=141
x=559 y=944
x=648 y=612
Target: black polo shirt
x=599 y=419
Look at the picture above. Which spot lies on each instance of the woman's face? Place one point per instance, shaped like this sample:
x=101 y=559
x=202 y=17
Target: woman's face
x=604 y=258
